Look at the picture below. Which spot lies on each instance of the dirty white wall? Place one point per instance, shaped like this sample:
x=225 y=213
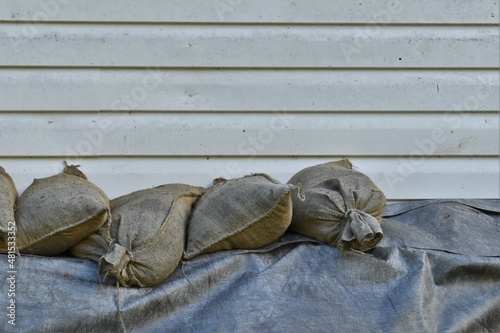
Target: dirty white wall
x=152 y=92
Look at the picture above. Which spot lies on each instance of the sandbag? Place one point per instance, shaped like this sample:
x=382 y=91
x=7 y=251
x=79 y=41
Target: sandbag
x=8 y=197
x=337 y=206
x=55 y=213
x=241 y=213
x=145 y=240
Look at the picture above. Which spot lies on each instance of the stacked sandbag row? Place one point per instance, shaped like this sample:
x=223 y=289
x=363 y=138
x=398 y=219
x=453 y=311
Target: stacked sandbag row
x=140 y=238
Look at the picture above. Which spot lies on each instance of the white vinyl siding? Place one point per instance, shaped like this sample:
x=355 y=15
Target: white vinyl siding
x=146 y=93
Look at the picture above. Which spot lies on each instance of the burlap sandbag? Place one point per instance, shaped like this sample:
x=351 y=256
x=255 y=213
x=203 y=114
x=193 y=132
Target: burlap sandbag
x=145 y=241
x=242 y=213
x=55 y=213
x=8 y=197
x=338 y=206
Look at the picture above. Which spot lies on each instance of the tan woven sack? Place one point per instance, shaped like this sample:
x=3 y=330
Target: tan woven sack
x=55 y=213
x=338 y=206
x=242 y=213
x=8 y=197
x=145 y=241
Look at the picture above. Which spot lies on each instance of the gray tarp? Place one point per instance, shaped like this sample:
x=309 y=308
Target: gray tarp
x=436 y=270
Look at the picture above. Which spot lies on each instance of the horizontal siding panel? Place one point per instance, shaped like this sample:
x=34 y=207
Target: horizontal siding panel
x=229 y=87
x=257 y=11
x=248 y=90
x=279 y=134
x=248 y=46
x=399 y=178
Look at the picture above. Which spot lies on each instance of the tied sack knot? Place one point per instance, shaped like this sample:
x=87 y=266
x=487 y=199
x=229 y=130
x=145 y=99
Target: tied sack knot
x=361 y=231
x=115 y=263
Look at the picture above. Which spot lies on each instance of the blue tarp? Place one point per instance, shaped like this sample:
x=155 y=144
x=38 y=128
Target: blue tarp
x=437 y=269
